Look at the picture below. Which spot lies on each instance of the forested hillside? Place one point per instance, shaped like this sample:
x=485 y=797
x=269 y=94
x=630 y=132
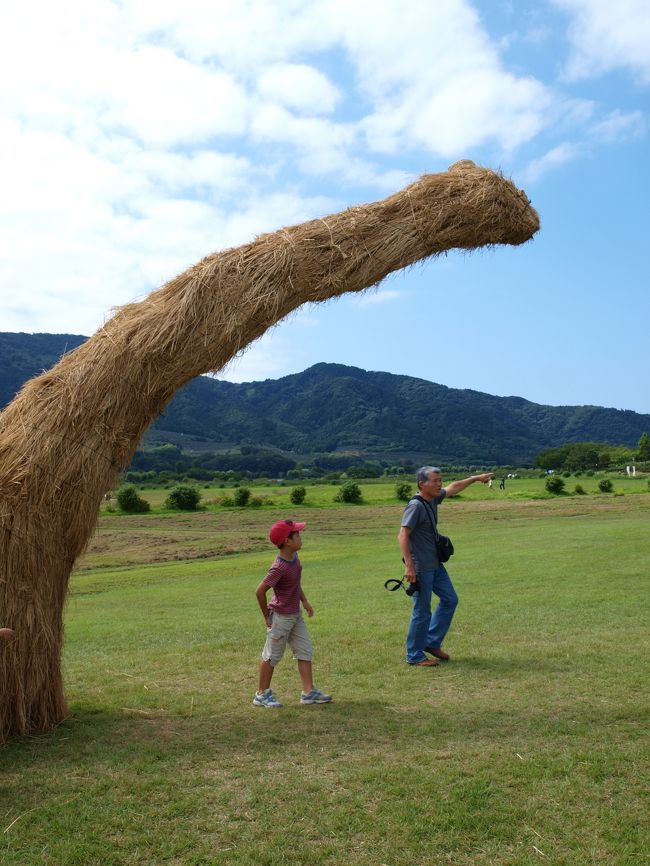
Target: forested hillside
x=331 y=407
x=23 y=356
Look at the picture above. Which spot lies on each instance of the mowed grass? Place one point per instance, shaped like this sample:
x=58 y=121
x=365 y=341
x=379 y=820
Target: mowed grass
x=530 y=746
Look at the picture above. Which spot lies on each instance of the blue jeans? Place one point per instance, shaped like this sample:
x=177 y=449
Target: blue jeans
x=425 y=629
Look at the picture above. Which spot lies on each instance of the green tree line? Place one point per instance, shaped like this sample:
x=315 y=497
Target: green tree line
x=579 y=456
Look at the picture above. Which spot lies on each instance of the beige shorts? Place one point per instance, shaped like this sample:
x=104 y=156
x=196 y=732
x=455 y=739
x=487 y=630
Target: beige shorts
x=285 y=630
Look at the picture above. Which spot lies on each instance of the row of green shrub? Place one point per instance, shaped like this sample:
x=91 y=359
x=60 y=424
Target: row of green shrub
x=183 y=497
x=555 y=484
x=187 y=498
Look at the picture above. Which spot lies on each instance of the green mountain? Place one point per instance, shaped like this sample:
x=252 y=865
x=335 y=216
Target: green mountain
x=335 y=408
x=23 y=356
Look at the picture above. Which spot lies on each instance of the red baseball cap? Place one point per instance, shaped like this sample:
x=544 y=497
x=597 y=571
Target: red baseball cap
x=281 y=530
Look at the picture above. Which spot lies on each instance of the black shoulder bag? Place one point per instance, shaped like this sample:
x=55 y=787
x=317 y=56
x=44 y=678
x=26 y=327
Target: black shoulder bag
x=444 y=546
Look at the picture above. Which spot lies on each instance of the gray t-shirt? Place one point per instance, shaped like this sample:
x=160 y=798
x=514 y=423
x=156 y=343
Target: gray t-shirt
x=422 y=538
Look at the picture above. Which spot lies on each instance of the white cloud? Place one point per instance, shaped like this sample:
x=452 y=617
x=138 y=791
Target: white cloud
x=165 y=100
x=606 y=36
x=374 y=297
x=137 y=137
x=615 y=127
x=281 y=351
x=620 y=126
x=211 y=173
x=445 y=88
x=556 y=156
x=244 y=37
x=477 y=106
x=299 y=87
x=410 y=42
x=321 y=145
x=267 y=358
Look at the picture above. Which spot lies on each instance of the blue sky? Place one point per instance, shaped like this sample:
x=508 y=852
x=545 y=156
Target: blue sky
x=137 y=137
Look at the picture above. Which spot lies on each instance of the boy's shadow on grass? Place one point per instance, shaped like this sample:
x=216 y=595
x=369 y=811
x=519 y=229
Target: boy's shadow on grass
x=106 y=736
x=97 y=737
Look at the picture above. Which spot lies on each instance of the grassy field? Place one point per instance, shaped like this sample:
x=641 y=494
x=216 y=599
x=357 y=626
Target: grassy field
x=530 y=746
x=382 y=492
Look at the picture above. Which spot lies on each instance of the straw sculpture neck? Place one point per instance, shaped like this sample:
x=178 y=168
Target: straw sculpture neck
x=69 y=433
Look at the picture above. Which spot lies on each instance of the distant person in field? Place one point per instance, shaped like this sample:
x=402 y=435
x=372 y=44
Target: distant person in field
x=7 y=634
x=417 y=541
x=283 y=618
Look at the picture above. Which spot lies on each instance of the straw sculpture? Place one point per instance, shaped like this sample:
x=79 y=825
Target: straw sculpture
x=70 y=431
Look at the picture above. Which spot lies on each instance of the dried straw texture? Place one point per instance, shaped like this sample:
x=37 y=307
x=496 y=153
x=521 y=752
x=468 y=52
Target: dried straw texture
x=69 y=432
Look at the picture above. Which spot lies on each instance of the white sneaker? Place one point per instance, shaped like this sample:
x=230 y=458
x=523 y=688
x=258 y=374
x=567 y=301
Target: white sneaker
x=315 y=696
x=266 y=699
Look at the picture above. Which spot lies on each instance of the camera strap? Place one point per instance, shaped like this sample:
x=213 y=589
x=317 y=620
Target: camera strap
x=393 y=584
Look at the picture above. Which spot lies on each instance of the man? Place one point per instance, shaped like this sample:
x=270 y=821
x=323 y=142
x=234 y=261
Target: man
x=417 y=541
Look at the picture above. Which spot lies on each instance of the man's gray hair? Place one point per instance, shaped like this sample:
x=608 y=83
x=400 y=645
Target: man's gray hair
x=422 y=474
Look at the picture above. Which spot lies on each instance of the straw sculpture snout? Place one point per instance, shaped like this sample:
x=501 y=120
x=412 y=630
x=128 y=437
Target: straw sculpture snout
x=70 y=431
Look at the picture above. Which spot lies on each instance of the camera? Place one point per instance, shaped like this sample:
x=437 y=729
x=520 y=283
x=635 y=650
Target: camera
x=411 y=588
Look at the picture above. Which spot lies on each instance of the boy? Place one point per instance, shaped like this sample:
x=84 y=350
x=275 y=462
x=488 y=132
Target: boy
x=283 y=618
x=7 y=634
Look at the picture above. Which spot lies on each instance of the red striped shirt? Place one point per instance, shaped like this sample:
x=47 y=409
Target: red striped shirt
x=284 y=579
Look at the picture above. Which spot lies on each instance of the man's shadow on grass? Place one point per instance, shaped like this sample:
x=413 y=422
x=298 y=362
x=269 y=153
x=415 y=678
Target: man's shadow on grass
x=547 y=663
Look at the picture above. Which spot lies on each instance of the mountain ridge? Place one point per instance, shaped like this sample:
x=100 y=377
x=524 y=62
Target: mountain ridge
x=335 y=408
